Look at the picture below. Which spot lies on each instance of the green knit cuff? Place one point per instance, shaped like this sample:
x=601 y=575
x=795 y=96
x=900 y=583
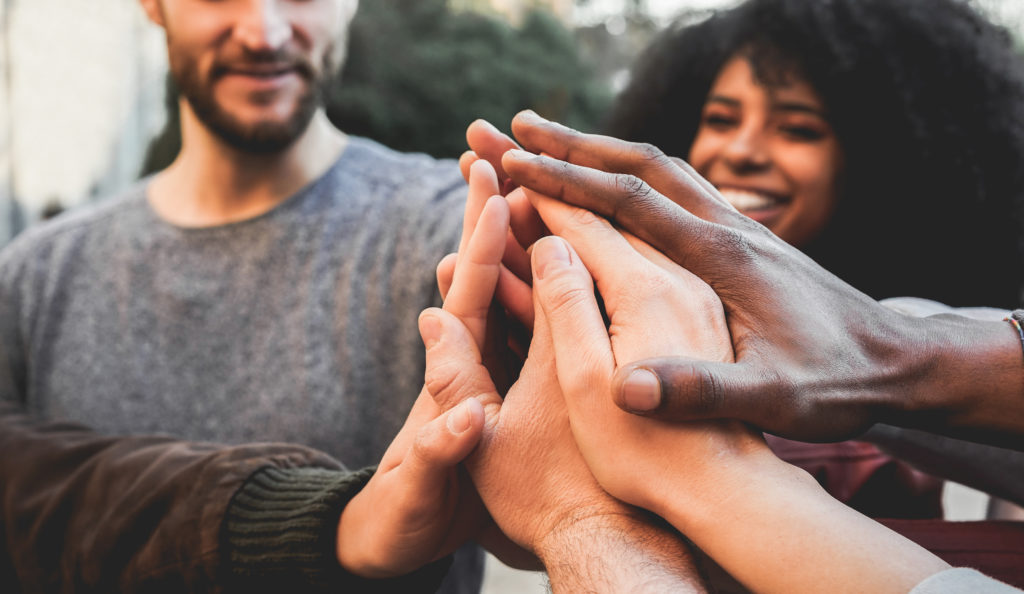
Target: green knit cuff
x=280 y=534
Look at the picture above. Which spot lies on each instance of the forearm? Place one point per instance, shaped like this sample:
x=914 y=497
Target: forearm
x=140 y=514
x=618 y=553
x=110 y=513
x=773 y=528
x=968 y=381
x=987 y=468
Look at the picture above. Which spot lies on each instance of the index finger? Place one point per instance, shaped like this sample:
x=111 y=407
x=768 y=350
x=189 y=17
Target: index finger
x=478 y=269
x=670 y=176
x=488 y=143
x=696 y=244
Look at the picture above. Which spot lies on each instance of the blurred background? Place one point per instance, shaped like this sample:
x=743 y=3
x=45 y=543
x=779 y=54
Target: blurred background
x=86 y=108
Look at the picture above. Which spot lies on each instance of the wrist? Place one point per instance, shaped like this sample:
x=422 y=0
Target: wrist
x=697 y=503
x=731 y=456
x=563 y=540
x=618 y=552
x=778 y=514
x=355 y=549
x=969 y=380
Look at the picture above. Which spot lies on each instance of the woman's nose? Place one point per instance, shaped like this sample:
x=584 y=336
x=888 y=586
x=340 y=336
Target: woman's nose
x=746 y=150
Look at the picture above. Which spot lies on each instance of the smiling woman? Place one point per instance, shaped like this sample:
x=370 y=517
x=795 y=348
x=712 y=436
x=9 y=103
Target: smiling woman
x=882 y=138
x=770 y=150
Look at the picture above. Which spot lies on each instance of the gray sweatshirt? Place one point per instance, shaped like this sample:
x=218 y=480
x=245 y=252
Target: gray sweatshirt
x=296 y=326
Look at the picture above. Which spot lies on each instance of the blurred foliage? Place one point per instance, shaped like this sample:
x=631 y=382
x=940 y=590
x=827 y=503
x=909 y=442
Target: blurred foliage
x=418 y=73
x=162 y=149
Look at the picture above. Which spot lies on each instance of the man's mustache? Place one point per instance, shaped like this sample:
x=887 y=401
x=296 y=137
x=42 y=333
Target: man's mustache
x=283 y=59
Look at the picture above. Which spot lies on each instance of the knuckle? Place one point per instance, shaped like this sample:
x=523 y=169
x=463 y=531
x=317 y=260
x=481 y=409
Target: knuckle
x=789 y=407
x=581 y=218
x=736 y=242
x=710 y=393
x=423 y=445
x=447 y=382
x=560 y=172
x=730 y=247
x=648 y=152
x=632 y=186
x=703 y=298
x=564 y=297
x=678 y=162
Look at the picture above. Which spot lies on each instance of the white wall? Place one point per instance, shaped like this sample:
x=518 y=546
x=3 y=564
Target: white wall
x=85 y=90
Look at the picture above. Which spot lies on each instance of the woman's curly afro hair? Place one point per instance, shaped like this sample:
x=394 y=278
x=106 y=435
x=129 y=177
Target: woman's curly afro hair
x=926 y=98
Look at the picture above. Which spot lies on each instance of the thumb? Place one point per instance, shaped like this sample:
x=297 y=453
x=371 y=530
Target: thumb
x=443 y=443
x=676 y=388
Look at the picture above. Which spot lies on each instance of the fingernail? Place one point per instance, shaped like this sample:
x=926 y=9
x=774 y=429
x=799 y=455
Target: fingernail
x=530 y=114
x=641 y=391
x=459 y=419
x=520 y=154
x=550 y=254
x=489 y=125
x=430 y=329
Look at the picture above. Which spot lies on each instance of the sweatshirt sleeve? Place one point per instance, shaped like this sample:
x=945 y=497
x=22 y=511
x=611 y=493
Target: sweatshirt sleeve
x=281 y=529
x=962 y=581
x=83 y=512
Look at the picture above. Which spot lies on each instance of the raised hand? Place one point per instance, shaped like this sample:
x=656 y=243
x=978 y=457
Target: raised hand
x=527 y=467
x=419 y=506
x=654 y=308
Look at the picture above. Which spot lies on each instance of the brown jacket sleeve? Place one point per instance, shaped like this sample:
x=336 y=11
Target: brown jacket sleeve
x=83 y=512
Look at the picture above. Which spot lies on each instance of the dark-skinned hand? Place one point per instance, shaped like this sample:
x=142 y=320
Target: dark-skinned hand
x=816 y=359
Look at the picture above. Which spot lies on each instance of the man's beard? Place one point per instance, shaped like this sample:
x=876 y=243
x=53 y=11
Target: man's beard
x=261 y=137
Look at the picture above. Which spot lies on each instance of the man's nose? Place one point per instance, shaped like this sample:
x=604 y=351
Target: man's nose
x=747 y=150
x=264 y=26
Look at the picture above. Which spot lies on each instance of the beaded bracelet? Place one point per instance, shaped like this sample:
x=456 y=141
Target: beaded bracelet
x=1016 y=319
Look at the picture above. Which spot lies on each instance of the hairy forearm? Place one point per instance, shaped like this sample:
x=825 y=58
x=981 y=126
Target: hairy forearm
x=984 y=467
x=618 y=553
x=773 y=528
x=970 y=383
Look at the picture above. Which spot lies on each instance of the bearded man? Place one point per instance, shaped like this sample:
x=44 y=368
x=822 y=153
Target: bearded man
x=264 y=287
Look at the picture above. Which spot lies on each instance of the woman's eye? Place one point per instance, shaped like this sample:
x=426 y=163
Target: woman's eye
x=719 y=121
x=803 y=133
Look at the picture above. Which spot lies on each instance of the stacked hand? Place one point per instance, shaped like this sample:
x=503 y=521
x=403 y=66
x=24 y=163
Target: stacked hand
x=420 y=506
x=714 y=480
x=527 y=467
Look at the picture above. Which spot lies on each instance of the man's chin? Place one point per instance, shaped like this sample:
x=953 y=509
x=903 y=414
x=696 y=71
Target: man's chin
x=261 y=137
x=258 y=133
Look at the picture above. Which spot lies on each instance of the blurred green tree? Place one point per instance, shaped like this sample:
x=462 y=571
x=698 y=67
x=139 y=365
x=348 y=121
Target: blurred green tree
x=418 y=73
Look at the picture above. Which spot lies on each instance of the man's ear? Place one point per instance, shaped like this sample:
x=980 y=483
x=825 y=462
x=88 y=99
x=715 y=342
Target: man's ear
x=153 y=11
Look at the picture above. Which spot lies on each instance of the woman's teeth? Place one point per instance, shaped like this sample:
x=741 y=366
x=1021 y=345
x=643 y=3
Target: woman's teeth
x=746 y=200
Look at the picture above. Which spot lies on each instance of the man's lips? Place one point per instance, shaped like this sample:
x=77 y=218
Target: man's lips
x=259 y=72
x=261 y=80
x=263 y=70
